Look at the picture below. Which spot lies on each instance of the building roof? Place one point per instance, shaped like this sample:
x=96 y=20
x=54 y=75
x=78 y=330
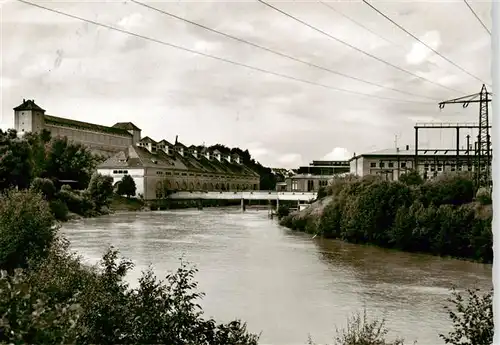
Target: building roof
x=127 y=126
x=28 y=104
x=411 y=152
x=140 y=157
x=148 y=140
x=165 y=142
x=60 y=121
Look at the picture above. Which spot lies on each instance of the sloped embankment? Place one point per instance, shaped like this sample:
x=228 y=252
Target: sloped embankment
x=307 y=220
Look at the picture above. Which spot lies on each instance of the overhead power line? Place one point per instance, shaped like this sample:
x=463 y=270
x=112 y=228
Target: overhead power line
x=355 y=48
x=477 y=17
x=269 y=50
x=423 y=43
x=215 y=57
x=400 y=46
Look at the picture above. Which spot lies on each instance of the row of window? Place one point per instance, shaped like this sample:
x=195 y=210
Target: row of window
x=168 y=173
x=119 y=172
x=390 y=165
x=161 y=188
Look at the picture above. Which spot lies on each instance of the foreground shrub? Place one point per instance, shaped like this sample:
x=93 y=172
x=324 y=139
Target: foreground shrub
x=361 y=331
x=62 y=302
x=26 y=229
x=472 y=318
x=44 y=186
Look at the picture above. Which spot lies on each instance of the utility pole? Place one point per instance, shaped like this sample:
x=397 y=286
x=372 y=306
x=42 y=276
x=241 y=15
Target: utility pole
x=483 y=148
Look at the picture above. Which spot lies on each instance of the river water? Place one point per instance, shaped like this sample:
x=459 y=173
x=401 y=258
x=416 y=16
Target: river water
x=283 y=283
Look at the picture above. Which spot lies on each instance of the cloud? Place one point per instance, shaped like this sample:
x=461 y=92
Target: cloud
x=338 y=153
x=419 y=52
x=290 y=160
x=106 y=77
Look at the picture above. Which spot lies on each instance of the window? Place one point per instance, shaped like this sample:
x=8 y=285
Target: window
x=391 y=165
x=440 y=168
x=373 y=165
x=381 y=164
x=168 y=173
x=403 y=165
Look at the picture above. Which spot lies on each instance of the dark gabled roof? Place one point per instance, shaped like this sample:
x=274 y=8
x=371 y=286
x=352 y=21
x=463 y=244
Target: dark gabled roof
x=136 y=157
x=28 y=104
x=127 y=126
x=163 y=141
x=139 y=157
x=179 y=144
x=60 y=121
x=148 y=140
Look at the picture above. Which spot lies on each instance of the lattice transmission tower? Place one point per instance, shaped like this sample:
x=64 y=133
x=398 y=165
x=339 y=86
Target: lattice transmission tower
x=483 y=150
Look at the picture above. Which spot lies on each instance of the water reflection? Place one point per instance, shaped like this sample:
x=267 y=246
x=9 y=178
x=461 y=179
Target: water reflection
x=283 y=283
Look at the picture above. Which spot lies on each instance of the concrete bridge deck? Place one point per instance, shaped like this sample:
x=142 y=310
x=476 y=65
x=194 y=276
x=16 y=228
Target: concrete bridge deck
x=245 y=195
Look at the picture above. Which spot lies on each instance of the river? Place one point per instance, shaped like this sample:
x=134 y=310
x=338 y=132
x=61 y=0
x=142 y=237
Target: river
x=283 y=283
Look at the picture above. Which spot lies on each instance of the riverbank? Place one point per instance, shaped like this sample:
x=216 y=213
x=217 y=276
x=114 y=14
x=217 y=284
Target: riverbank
x=441 y=217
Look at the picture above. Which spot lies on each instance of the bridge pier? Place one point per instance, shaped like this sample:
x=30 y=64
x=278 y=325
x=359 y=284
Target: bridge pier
x=243 y=208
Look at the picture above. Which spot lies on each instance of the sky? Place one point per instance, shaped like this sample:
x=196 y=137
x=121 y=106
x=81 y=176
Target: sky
x=86 y=72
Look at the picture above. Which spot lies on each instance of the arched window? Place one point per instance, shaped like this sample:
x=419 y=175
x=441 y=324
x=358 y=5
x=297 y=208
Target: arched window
x=216 y=186
x=223 y=187
x=191 y=186
x=205 y=187
x=210 y=186
x=177 y=186
x=198 y=186
x=184 y=185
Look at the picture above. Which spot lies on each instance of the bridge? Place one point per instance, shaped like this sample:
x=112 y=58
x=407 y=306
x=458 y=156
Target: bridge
x=245 y=195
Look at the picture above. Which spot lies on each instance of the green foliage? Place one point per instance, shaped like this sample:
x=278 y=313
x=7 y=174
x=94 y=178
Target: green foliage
x=44 y=186
x=16 y=163
x=100 y=190
x=472 y=318
x=26 y=229
x=282 y=211
x=61 y=302
x=483 y=196
x=321 y=193
x=437 y=217
x=411 y=178
x=69 y=161
x=362 y=331
x=59 y=209
x=126 y=186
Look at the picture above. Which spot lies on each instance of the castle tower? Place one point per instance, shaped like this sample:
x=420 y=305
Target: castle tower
x=28 y=117
x=132 y=129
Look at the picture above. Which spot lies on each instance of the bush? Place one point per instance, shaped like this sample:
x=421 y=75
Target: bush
x=361 y=331
x=126 y=186
x=282 y=211
x=61 y=302
x=472 y=318
x=44 y=186
x=26 y=229
x=100 y=190
x=437 y=217
x=483 y=196
x=321 y=193
x=59 y=210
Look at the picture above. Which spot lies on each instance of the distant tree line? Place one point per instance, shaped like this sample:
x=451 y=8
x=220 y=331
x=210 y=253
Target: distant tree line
x=444 y=216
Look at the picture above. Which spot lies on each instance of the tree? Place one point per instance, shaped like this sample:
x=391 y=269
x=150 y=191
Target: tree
x=26 y=229
x=16 y=164
x=411 y=178
x=100 y=190
x=126 y=186
x=69 y=161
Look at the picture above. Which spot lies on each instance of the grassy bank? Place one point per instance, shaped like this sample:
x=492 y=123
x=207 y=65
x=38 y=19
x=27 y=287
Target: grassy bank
x=121 y=204
x=440 y=217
